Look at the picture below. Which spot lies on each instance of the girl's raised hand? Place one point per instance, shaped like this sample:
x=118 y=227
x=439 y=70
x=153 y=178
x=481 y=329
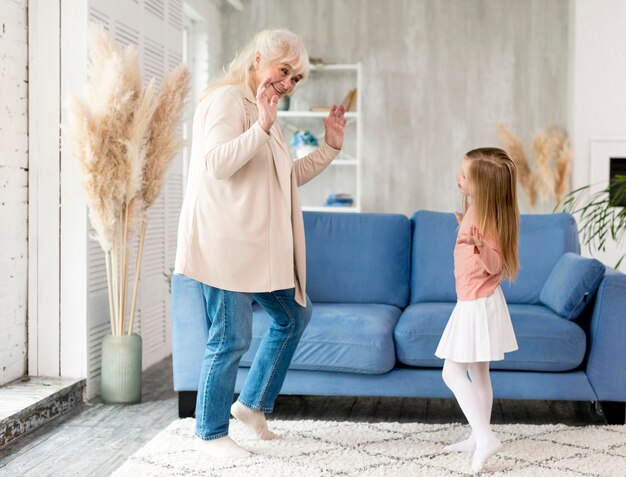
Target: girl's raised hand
x=266 y=107
x=474 y=237
x=335 y=125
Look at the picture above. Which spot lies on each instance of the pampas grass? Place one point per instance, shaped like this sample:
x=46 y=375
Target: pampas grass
x=513 y=145
x=124 y=141
x=544 y=177
x=163 y=143
x=553 y=158
x=563 y=163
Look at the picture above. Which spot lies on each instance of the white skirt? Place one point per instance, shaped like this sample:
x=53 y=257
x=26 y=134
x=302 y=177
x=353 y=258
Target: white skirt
x=478 y=330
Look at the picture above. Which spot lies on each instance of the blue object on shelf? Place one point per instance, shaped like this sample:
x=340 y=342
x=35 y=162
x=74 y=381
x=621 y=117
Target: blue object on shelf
x=339 y=200
x=303 y=138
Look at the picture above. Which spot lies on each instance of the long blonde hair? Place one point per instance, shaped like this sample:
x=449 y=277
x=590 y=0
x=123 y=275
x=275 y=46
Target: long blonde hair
x=493 y=188
x=272 y=45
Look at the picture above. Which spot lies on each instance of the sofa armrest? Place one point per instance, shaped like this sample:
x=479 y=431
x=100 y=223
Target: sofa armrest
x=189 y=332
x=606 y=362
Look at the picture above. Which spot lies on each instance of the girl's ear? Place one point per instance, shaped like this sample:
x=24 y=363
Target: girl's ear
x=257 y=60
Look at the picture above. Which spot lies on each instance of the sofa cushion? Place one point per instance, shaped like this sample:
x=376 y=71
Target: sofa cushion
x=546 y=341
x=543 y=240
x=351 y=338
x=358 y=258
x=570 y=285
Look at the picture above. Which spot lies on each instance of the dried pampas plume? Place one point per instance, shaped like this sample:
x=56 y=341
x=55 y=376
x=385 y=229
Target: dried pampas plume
x=163 y=144
x=99 y=126
x=553 y=158
x=544 y=177
x=164 y=141
x=513 y=145
x=137 y=145
x=124 y=141
x=563 y=162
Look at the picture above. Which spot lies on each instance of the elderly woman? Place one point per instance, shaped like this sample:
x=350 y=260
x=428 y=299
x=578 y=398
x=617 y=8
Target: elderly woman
x=241 y=233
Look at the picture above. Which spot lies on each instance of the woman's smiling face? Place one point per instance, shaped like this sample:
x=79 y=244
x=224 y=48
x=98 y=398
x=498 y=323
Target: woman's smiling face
x=283 y=78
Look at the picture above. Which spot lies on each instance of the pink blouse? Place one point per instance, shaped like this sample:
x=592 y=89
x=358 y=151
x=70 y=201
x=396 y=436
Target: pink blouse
x=477 y=272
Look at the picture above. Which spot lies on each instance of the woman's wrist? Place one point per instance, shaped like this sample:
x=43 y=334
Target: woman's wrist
x=331 y=146
x=265 y=129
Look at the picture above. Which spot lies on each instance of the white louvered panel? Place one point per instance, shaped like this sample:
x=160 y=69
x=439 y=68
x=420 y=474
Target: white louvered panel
x=137 y=321
x=99 y=325
x=156 y=7
x=98 y=17
x=154 y=255
x=126 y=35
x=175 y=14
x=153 y=56
x=154 y=245
x=96 y=269
x=173 y=60
x=172 y=214
x=153 y=333
x=96 y=334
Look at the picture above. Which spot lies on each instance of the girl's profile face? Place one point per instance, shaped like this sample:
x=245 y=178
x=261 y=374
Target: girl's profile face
x=462 y=181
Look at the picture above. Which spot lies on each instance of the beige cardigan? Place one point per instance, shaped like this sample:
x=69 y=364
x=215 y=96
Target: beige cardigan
x=241 y=226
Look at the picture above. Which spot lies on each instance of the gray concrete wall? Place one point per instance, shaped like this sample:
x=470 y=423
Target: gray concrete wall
x=438 y=76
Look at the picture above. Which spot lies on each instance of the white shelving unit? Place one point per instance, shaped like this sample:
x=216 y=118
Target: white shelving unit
x=350 y=158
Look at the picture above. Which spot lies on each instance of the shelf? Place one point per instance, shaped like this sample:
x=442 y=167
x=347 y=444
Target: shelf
x=312 y=114
x=330 y=209
x=344 y=162
x=330 y=80
x=335 y=67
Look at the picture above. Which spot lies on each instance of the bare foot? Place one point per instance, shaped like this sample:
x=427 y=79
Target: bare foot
x=255 y=420
x=222 y=448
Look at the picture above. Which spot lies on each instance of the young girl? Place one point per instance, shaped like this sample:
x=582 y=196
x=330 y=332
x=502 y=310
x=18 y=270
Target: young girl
x=479 y=329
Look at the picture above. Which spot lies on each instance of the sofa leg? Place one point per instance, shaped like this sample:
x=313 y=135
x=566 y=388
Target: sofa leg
x=614 y=411
x=187 y=404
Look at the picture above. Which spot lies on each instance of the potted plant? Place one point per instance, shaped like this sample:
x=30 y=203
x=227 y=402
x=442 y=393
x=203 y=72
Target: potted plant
x=601 y=213
x=124 y=139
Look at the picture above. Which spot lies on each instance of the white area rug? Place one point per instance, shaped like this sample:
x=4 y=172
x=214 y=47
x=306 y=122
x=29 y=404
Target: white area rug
x=323 y=448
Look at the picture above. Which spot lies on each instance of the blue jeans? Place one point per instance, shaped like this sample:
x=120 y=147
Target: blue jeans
x=229 y=321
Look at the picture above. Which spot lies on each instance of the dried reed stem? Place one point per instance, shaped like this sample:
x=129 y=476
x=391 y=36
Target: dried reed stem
x=115 y=286
x=125 y=261
x=110 y=290
x=142 y=236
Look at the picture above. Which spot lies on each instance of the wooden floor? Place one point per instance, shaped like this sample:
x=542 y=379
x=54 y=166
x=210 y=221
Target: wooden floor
x=95 y=439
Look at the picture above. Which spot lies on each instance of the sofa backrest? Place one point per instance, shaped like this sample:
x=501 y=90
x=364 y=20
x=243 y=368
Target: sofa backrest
x=543 y=239
x=358 y=258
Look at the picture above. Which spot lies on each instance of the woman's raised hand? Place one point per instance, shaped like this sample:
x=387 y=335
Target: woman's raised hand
x=266 y=107
x=335 y=125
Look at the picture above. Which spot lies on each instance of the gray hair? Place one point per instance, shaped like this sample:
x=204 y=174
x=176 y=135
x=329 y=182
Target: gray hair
x=272 y=45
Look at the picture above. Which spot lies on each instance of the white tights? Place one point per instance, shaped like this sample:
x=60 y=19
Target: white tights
x=475 y=396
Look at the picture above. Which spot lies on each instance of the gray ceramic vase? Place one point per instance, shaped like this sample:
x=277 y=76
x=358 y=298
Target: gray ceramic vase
x=121 y=369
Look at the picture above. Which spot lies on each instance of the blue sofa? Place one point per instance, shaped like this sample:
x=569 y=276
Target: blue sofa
x=382 y=286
